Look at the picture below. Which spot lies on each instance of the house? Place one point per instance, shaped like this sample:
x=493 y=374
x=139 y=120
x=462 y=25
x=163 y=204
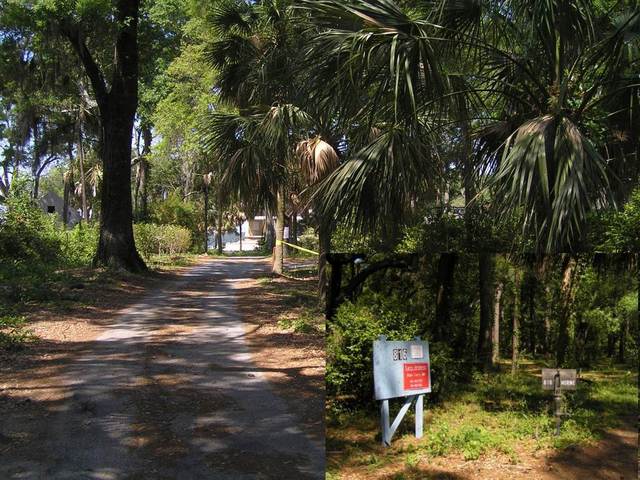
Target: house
x=51 y=202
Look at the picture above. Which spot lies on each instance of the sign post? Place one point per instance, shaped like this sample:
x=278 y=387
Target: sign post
x=558 y=380
x=400 y=369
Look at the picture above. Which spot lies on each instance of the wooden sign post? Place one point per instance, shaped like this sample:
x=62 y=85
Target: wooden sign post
x=400 y=369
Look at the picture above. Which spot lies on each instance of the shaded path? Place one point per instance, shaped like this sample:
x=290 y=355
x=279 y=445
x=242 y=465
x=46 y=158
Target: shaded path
x=169 y=391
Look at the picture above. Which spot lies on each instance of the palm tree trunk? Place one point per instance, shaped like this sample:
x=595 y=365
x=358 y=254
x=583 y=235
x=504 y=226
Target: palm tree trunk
x=206 y=218
x=278 y=252
x=140 y=195
x=293 y=233
x=324 y=244
x=486 y=263
x=562 y=343
x=83 y=181
x=219 y=221
x=68 y=187
x=495 y=331
x=446 y=266
x=624 y=330
x=515 y=337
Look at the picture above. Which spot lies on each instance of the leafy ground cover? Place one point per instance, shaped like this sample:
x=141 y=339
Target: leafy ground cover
x=30 y=296
x=499 y=417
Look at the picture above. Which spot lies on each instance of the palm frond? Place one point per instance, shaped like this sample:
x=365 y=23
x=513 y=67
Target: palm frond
x=376 y=184
x=317 y=159
x=552 y=172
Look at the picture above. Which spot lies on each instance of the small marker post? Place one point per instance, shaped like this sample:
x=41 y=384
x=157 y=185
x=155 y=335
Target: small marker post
x=384 y=422
x=419 y=415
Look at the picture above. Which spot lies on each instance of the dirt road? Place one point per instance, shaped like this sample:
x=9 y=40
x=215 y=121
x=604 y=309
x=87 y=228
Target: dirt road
x=167 y=391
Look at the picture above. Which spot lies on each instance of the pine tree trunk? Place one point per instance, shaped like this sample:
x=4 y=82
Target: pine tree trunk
x=562 y=343
x=515 y=337
x=495 y=332
x=278 y=252
x=486 y=265
x=446 y=266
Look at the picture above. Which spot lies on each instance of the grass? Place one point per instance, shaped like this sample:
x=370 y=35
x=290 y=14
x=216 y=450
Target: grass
x=13 y=333
x=162 y=262
x=496 y=414
x=245 y=253
x=309 y=320
x=27 y=288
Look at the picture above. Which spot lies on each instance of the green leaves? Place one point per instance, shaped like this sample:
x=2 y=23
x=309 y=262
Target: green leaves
x=551 y=170
x=377 y=183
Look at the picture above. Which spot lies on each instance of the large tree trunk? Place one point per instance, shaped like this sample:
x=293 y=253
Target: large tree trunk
x=515 y=337
x=495 y=331
x=562 y=342
x=278 y=252
x=117 y=106
x=116 y=246
x=446 y=266
x=487 y=264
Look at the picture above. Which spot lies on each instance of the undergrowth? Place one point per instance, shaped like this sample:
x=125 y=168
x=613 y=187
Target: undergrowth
x=497 y=413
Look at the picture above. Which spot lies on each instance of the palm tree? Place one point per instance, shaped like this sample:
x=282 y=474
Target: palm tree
x=551 y=69
x=547 y=91
x=255 y=53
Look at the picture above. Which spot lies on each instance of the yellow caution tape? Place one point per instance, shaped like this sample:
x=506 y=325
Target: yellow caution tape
x=296 y=246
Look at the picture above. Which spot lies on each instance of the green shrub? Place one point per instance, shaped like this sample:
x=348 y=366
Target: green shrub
x=27 y=234
x=175 y=211
x=161 y=239
x=309 y=240
x=350 y=346
x=79 y=244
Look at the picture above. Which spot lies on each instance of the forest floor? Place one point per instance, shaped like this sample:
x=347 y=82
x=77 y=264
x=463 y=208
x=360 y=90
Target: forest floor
x=160 y=376
x=502 y=429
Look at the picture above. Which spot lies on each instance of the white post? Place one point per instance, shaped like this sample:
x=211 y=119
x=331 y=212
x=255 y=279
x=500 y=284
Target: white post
x=419 y=415
x=384 y=419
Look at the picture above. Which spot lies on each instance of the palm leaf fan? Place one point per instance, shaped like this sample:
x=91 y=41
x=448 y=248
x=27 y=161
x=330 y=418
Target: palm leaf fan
x=317 y=159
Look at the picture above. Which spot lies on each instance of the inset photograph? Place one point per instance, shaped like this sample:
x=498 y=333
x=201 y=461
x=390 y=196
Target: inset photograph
x=475 y=366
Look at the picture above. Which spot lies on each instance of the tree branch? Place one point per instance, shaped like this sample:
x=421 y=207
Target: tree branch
x=76 y=38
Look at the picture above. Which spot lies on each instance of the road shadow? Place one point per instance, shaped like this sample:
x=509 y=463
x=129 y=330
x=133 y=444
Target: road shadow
x=167 y=392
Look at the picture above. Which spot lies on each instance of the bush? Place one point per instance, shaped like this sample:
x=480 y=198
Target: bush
x=161 y=239
x=27 y=234
x=350 y=346
x=175 y=211
x=309 y=240
x=79 y=245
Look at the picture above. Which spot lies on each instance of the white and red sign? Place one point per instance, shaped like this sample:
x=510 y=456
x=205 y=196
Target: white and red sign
x=416 y=376
x=400 y=368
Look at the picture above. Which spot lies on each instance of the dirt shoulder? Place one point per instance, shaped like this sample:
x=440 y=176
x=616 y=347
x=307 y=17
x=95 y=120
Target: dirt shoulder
x=294 y=362
x=72 y=314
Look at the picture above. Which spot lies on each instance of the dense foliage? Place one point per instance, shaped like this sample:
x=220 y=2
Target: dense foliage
x=601 y=323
